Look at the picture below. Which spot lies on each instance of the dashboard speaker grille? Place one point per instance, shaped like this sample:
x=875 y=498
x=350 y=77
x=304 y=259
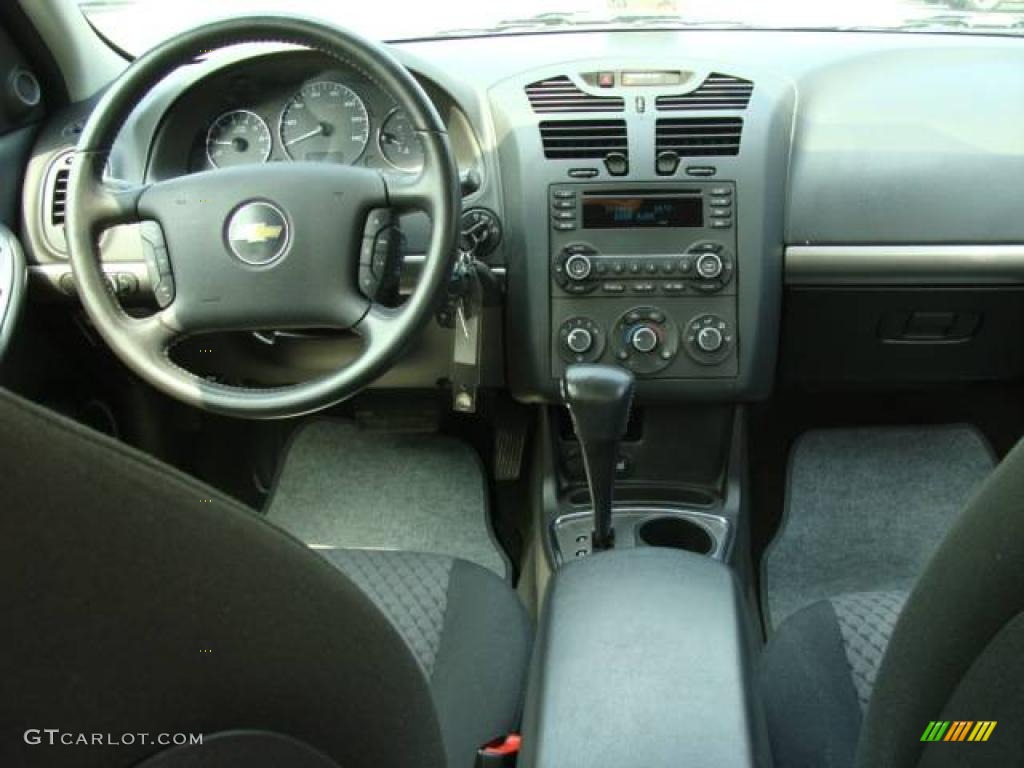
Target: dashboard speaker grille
x=699 y=136
x=560 y=94
x=58 y=199
x=582 y=139
x=718 y=91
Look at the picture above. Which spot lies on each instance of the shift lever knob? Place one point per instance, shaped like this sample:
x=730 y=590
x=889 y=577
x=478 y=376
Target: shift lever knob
x=598 y=398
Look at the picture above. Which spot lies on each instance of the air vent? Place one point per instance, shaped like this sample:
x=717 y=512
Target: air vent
x=59 y=196
x=582 y=139
x=560 y=94
x=699 y=136
x=718 y=91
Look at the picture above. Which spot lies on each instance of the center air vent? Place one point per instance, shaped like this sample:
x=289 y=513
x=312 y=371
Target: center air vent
x=560 y=94
x=582 y=139
x=699 y=136
x=718 y=91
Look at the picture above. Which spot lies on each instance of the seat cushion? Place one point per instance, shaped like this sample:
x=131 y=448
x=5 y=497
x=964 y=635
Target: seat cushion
x=467 y=629
x=817 y=673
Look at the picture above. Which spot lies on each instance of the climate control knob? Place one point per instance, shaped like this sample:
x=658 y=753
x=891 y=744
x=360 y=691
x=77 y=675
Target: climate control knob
x=577 y=267
x=709 y=340
x=709 y=266
x=579 y=340
x=644 y=339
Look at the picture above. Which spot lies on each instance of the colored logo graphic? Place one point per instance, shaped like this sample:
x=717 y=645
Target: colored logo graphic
x=958 y=730
x=257 y=233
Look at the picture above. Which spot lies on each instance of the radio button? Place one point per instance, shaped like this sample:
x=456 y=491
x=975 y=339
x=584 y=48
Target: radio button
x=721 y=191
x=719 y=202
x=569 y=215
x=709 y=266
x=674 y=287
x=613 y=288
x=643 y=288
x=568 y=194
x=634 y=267
x=570 y=205
x=578 y=267
x=651 y=267
x=721 y=213
x=721 y=223
x=618 y=268
x=564 y=226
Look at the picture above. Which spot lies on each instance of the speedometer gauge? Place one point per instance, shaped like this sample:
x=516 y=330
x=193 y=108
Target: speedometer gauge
x=326 y=122
x=399 y=143
x=238 y=137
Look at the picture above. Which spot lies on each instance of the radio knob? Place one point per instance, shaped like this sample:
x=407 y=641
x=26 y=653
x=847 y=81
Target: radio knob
x=577 y=267
x=644 y=339
x=709 y=266
x=579 y=340
x=709 y=340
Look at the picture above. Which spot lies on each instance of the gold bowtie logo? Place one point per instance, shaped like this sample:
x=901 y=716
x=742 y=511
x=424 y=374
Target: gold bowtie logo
x=257 y=232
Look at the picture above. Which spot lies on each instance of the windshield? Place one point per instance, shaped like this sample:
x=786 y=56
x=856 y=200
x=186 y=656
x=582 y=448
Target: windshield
x=136 y=25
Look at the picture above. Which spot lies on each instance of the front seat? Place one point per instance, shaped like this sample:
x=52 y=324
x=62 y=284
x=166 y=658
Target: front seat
x=139 y=601
x=889 y=680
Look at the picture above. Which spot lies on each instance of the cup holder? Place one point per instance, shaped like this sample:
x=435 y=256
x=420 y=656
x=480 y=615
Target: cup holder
x=675 y=533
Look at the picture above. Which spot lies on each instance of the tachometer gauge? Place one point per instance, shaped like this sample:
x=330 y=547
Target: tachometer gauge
x=399 y=143
x=238 y=137
x=327 y=122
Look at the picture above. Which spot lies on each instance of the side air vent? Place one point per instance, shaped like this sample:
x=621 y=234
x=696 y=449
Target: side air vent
x=699 y=136
x=582 y=139
x=718 y=91
x=60 y=195
x=560 y=94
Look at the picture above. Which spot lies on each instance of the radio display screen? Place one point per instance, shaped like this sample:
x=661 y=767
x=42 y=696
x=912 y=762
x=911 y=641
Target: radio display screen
x=616 y=212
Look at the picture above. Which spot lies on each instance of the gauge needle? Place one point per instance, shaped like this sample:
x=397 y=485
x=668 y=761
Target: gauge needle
x=307 y=135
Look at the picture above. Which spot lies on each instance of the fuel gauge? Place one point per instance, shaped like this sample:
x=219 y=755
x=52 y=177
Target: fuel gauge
x=399 y=144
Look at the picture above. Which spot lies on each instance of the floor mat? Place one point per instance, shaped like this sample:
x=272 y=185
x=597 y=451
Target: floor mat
x=344 y=487
x=866 y=508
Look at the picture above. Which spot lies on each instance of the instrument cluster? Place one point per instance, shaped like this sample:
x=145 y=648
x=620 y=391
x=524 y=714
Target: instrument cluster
x=325 y=119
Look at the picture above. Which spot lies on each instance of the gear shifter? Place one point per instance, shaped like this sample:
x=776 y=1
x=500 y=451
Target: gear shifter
x=599 y=398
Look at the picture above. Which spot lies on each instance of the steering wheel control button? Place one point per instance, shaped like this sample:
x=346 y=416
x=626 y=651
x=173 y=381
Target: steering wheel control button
x=257 y=233
x=580 y=340
x=709 y=339
x=646 y=340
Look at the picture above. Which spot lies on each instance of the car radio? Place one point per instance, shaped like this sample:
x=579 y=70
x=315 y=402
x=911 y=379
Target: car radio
x=662 y=257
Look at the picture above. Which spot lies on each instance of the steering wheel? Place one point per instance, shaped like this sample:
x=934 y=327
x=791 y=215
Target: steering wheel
x=261 y=246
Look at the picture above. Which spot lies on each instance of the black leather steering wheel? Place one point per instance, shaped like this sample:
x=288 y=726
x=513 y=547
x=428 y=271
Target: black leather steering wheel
x=308 y=218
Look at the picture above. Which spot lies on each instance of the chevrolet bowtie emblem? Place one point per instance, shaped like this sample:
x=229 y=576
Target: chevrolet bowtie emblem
x=257 y=232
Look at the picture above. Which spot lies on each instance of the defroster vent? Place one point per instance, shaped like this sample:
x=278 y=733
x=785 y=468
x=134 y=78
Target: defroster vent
x=560 y=94
x=718 y=91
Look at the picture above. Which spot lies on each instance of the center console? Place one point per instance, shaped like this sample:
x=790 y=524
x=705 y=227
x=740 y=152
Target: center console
x=643 y=658
x=644 y=275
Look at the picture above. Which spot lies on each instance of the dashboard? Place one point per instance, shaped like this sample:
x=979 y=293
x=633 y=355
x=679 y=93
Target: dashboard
x=714 y=210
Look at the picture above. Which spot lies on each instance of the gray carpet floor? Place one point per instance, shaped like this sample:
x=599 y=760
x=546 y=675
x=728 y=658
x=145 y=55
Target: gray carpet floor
x=866 y=508
x=344 y=487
